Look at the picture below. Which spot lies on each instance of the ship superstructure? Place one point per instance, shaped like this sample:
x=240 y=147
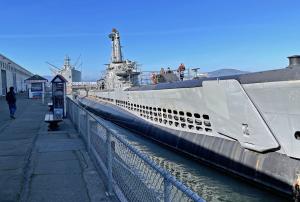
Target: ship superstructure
x=120 y=74
x=246 y=124
x=68 y=71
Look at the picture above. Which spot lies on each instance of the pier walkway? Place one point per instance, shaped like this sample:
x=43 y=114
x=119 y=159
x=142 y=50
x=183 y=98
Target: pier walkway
x=37 y=165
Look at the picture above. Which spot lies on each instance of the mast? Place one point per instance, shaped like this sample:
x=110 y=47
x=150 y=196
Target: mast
x=67 y=64
x=116 y=55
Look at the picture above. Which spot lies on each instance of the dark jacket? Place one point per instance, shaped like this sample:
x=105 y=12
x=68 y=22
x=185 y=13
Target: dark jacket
x=11 y=97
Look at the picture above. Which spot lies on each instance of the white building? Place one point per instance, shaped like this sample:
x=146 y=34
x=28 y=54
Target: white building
x=12 y=74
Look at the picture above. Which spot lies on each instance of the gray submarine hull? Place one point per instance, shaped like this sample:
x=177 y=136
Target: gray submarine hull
x=214 y=151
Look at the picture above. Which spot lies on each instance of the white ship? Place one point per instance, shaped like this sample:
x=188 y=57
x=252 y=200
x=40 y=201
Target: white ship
x=248 y=125
x=68 y=71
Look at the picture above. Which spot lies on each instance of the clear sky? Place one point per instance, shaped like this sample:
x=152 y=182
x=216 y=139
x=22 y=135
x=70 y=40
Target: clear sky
x=251 y=35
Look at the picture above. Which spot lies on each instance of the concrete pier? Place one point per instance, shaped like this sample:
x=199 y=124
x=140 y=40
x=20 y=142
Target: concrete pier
x=38 y=165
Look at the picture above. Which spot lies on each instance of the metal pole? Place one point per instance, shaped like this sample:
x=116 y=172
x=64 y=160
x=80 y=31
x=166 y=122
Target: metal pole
x=88 y=131
x=68 y=107
x=78 y=121
x=167 y=190
x=109 y=162
x=43 y=93
x=73 y=113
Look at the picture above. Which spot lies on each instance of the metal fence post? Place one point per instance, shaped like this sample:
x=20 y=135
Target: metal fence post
x=109 y=162
x=78 y=120
x=88 y=135
x=73 y=112
x=67 y=108
x=167 y=190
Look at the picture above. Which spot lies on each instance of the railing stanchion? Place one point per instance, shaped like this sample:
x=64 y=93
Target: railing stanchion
x=73 y=113
x=167 y=190
x=78 y=120
x=88 y=132
x=109 y=161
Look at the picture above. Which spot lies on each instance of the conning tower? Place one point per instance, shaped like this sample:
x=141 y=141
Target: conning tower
x=294 y=61
x=116 y=54
x=120 y=74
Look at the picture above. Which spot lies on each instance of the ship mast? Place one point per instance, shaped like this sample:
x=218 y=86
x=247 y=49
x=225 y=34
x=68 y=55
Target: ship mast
x=67 y=64
x=116 y=55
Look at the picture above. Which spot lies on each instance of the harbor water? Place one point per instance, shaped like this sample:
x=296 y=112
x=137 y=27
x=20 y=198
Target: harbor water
x=211 y=184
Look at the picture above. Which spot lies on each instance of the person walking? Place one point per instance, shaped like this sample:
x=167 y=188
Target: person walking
x=11 y=101
x=181 y=70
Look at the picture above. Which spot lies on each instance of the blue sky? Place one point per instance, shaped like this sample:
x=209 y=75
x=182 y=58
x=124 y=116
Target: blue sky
x=251 y=35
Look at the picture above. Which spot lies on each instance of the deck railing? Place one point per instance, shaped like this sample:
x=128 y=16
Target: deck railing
x=145 y=78
x=131 y=175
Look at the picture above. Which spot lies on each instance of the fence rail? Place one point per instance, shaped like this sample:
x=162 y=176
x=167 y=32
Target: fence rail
x=131 y=175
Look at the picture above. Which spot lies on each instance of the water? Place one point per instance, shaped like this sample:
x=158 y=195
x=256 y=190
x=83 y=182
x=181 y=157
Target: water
x=209 y=183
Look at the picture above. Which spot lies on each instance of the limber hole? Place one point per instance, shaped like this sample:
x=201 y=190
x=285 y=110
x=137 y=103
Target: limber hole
x=297 y=135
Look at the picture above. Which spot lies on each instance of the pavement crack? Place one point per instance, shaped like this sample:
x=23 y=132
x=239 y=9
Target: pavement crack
x=28 y=170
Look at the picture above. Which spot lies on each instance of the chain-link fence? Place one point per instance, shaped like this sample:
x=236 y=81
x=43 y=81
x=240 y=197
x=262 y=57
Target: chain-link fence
x=131 y=175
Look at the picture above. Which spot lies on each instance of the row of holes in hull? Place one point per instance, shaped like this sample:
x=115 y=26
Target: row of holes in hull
x=191 y=121
x=173 y=118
